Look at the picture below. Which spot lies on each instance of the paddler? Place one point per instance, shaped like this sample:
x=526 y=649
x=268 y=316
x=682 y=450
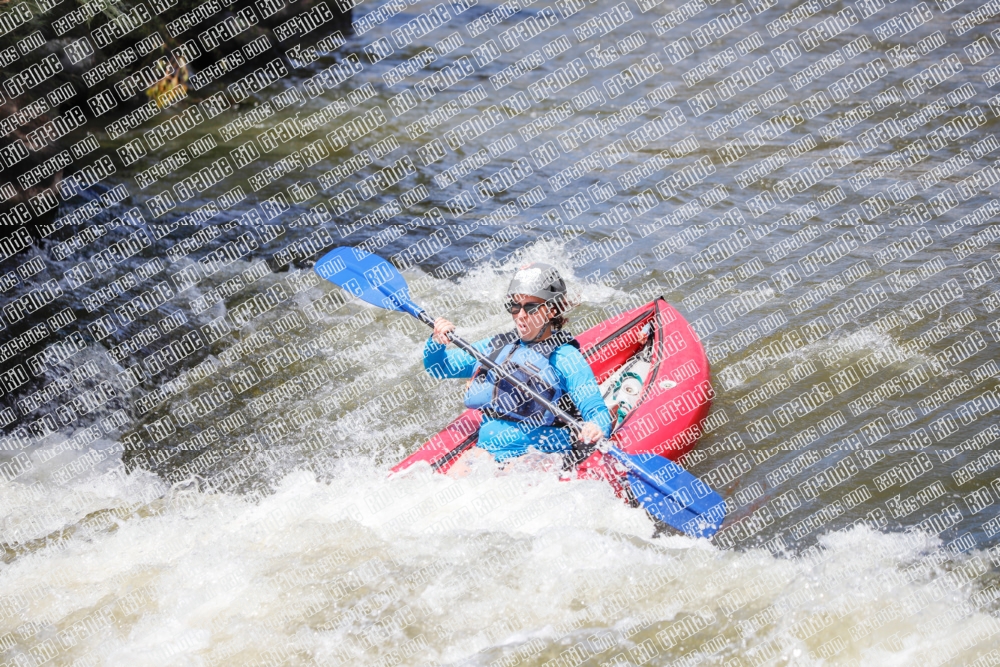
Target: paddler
x=539 y=352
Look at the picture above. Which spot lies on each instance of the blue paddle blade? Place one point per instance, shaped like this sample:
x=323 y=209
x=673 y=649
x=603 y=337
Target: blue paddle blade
x=367 y=277
x=673 y=495
x=666 y=490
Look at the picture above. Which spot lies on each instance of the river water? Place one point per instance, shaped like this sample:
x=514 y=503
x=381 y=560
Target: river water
x=246 y=517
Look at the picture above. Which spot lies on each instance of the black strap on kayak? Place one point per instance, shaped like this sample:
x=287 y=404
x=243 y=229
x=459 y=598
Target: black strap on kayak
x=577 y=455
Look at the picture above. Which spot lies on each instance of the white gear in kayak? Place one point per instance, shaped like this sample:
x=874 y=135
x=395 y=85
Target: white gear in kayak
x=627 y=389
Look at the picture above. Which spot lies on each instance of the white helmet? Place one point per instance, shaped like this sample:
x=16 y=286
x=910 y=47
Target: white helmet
x=539 y=280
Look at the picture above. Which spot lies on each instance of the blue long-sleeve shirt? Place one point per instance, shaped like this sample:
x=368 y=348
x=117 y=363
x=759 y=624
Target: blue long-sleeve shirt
x=503 y=438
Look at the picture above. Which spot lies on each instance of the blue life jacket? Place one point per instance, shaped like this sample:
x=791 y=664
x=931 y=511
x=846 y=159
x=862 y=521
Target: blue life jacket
x=529 y=363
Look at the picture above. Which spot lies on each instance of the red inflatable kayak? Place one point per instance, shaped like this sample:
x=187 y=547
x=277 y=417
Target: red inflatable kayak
x=666 y=420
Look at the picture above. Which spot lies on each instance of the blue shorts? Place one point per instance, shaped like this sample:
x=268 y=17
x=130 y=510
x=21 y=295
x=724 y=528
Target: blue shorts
x=504 y=440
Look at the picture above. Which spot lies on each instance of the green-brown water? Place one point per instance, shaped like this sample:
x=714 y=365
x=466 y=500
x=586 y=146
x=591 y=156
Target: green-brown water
x=854 y=366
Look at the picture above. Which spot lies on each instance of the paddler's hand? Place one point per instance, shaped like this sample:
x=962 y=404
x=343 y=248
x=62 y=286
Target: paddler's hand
x=590 y=433
x=442 y=328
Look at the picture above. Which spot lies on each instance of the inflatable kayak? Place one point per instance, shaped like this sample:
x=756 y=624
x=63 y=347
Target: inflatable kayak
x=654 y=375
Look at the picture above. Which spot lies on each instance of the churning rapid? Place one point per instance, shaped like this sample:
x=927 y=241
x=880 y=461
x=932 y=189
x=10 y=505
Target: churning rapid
x=326 y=561
x=207 y=484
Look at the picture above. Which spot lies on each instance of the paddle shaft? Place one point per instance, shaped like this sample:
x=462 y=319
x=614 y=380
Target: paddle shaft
x=492 y=365
x=574 y=425
x=645 y=476
x=665 y=489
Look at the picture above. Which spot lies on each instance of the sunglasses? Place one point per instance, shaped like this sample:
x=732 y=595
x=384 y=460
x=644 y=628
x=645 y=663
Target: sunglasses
x=530 y=308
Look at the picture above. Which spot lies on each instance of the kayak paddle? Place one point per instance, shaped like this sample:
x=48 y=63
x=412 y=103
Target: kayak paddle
x=667 y=491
